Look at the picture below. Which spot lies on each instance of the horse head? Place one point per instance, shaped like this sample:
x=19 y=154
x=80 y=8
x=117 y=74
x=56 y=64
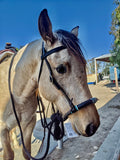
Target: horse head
x=68 y=66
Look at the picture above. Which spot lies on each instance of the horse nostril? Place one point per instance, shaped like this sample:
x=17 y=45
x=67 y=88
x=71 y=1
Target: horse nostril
x=91 y=129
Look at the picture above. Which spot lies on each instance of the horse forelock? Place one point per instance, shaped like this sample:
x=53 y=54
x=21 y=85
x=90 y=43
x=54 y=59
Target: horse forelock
x=72 y=43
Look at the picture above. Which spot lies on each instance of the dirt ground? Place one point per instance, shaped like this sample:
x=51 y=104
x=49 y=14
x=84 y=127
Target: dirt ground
x=81 y=147
x=104 y=91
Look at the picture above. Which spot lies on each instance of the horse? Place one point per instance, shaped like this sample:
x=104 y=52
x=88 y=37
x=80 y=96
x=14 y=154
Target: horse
x=68 y=66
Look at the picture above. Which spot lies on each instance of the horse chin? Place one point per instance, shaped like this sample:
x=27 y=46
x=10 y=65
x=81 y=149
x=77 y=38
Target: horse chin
x=81 y=133
x=76 y=130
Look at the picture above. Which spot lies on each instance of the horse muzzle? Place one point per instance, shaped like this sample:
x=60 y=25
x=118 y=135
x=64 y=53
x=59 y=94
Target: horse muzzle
x=91 y=129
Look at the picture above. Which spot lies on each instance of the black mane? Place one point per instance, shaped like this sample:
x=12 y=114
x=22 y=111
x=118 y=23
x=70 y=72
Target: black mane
x=70 y=41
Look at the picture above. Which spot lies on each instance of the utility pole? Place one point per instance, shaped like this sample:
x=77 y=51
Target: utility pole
x=116 y=79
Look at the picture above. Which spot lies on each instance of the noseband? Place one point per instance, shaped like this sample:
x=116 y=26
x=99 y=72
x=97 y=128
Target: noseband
x=73 y=108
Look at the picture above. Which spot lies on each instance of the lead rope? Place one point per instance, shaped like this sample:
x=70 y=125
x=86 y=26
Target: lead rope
x=17 y=119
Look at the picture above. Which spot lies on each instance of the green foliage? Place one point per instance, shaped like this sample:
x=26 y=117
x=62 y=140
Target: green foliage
x=115 y=31
x=91 y=66
x=105 y=70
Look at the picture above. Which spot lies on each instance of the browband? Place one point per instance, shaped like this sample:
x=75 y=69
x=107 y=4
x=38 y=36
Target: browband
x=57 y=49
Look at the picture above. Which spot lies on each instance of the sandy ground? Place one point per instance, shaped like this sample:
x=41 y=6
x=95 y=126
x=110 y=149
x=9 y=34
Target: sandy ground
x=109 y=110
x=81 y=147
x=104 y=91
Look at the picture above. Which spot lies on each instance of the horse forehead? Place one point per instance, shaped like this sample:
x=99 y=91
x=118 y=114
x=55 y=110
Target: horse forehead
x=60 y=57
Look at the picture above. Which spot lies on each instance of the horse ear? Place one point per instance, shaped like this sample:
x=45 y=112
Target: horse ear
x=45 y=27
x=75 y=31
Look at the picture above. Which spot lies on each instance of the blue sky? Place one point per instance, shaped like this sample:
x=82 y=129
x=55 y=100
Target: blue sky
x=18 y=22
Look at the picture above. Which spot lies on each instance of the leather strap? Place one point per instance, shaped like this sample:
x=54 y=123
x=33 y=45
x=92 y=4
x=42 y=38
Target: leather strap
x=47 y=53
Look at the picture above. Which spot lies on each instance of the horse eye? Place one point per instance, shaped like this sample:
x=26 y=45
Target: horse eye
x=61 y=69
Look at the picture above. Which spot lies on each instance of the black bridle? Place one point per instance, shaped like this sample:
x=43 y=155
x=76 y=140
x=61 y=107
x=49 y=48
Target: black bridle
x=56 y=119
x=74 y=108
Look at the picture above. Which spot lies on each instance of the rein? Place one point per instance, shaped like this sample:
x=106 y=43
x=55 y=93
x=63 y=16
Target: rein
x=56 y=119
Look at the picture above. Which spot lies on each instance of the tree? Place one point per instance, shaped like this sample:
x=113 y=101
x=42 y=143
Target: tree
x=115 y=31
x=91 y=66
x=106 y=67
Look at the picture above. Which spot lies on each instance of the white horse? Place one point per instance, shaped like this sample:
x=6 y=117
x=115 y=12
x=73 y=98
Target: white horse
x=69 y=69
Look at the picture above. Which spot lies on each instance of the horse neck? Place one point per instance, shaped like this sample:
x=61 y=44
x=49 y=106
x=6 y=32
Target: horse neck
x=27 y=70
